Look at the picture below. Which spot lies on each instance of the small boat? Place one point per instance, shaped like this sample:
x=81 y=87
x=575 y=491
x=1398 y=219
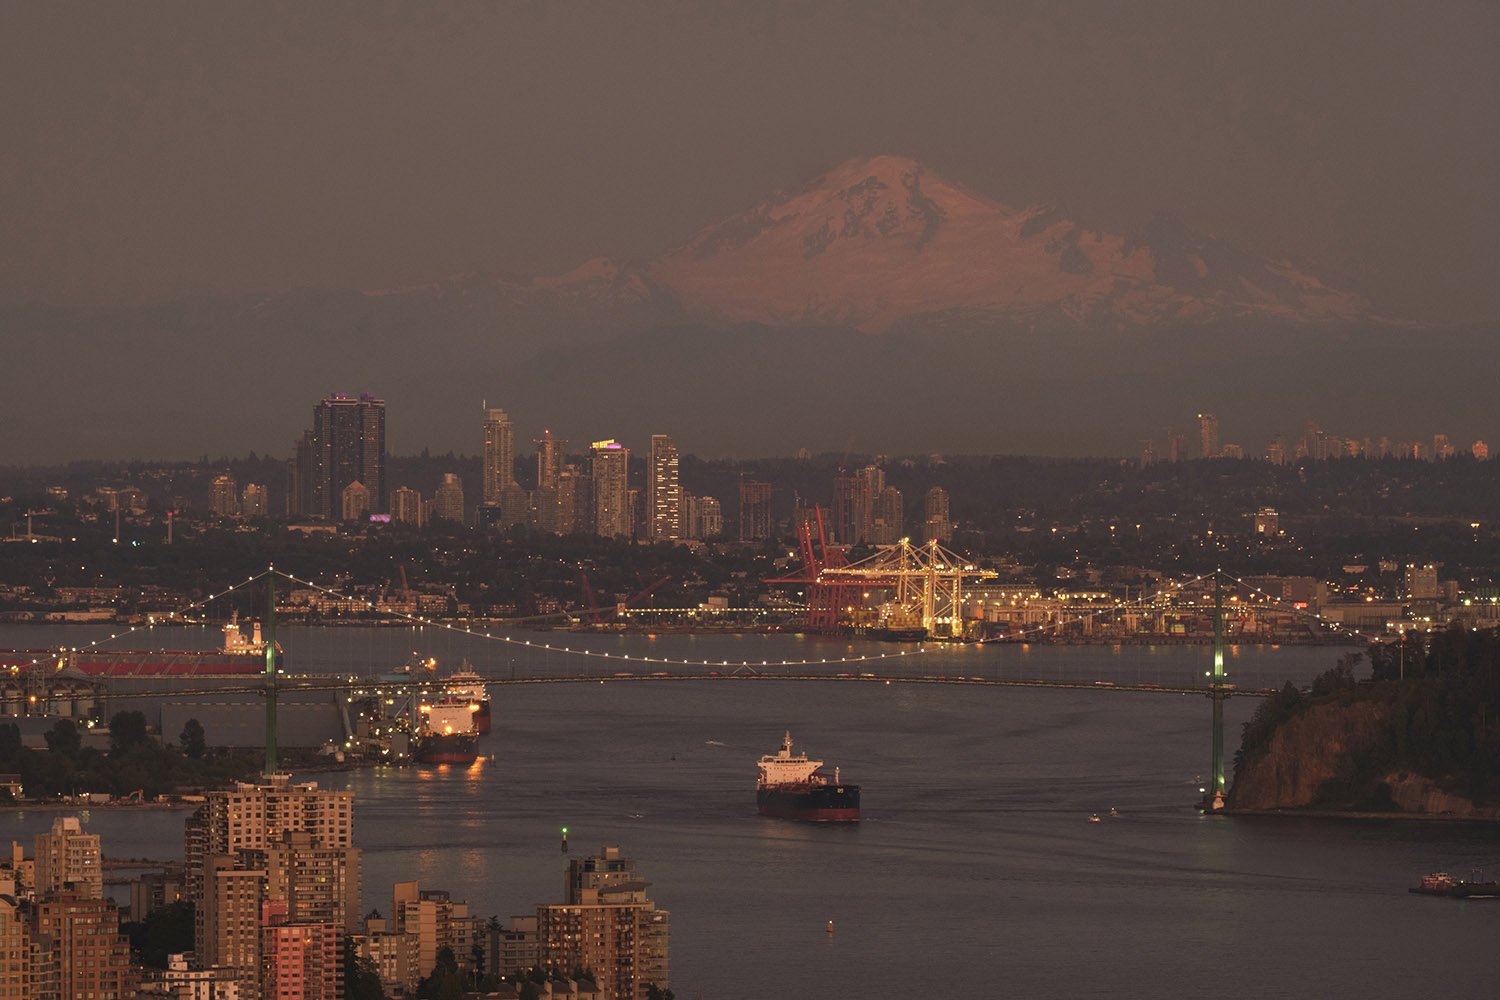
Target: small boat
x=1443 y=884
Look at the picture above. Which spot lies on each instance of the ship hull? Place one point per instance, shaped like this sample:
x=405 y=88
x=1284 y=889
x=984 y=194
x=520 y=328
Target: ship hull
x=454 y=748
x=482 y=717
x=145 y=663
x=810 y=803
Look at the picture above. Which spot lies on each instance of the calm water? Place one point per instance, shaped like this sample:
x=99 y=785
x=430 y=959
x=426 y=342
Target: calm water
x=976 y=869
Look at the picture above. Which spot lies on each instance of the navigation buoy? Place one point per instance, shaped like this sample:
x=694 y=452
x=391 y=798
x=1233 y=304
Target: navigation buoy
x=565 y=840
x=830 y=926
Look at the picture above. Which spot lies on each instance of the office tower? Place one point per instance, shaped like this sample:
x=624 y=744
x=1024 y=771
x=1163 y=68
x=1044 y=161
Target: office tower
x=253 y=500
x=406 y=506
x=499 y=456
x=611 y=480
x=663 y=492
x=888 y=517
x=301 y=471
x=1176 y=447
x=68 y=858
x=354 y=502
x=1276 y=451
x=448 y=501
x=78 y=940
x=1208 y=435
x=223 y=496
x=1442 y=448
x=937 y=523
x=1480 y=451
x=755 y=510
x=607 y=925
x=348 y=446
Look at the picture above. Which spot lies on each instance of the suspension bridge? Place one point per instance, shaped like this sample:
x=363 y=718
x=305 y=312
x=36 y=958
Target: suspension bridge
x=595 y=666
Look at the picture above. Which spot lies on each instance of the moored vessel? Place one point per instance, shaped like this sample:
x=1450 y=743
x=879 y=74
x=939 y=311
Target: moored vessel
x=237 y=657
x=467 y=684
x=790 y=786
x=446 y=732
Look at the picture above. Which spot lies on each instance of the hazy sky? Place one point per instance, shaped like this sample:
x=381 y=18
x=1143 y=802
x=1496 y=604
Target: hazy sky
x=152 y=149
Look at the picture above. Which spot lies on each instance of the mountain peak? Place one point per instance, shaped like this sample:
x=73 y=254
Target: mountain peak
x=879 y=239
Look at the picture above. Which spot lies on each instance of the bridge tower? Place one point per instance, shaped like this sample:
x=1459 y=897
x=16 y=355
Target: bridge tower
x=1218 y=690
x=268 y=632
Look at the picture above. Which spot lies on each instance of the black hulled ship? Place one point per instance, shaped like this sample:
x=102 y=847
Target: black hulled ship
x=790 y=786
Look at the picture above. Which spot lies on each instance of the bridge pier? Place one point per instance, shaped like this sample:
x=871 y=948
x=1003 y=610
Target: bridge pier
x=1213 y=792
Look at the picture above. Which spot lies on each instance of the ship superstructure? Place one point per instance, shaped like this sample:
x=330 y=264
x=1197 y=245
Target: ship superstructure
x=468 y=685
x=790 y=785
x=446 y=733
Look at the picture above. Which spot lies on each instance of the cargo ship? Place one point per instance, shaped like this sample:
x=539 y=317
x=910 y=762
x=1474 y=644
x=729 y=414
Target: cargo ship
x=1443 y=884
x=237 y=657
x=446 y=734
x=790 y=786
x=469 y=685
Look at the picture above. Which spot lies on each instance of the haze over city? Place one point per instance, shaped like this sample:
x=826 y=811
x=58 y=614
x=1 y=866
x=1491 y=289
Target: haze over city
x=201 y=200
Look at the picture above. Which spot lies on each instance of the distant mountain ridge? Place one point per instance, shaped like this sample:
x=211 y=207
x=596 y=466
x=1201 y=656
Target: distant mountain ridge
x=876 y=241
x=881 y=241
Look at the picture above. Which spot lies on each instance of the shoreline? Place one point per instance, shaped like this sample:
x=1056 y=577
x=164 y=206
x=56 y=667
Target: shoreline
x=1363 y=815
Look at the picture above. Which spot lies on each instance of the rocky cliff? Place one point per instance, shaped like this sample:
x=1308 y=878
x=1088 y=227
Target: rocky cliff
x=1322 y=759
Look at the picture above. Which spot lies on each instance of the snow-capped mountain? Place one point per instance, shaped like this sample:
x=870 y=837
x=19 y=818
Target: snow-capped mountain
x=879 y=240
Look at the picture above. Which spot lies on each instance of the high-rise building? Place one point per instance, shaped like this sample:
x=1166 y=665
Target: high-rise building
x=1208 y=435
x=301 y=473
x=318 y=884
x=872 y=483
x=354 y=502
x=608 y=925
x=755 y=510
x=68 y=858
x=436 y=919
x=223 y=496
x=549 y=460
x=1276 y=451
x=79 y=939
x=348 y=446
x=1442 y=448
x=848 y=502
x=937 y=524
x=406 y=506
x=448 y=501
x=298 y=960
x=255 y=815
x=888 y=517
x=1480 y=451
x=663 y=492
x=15 y=949
x=226 y=921
x=611 y=482
x=253 y=500
x=499 y=455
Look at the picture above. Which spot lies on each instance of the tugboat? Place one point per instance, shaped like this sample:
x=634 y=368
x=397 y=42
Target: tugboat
x=469 y=685
x=446 y=733
x=1443 y=884
x=790 y=786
